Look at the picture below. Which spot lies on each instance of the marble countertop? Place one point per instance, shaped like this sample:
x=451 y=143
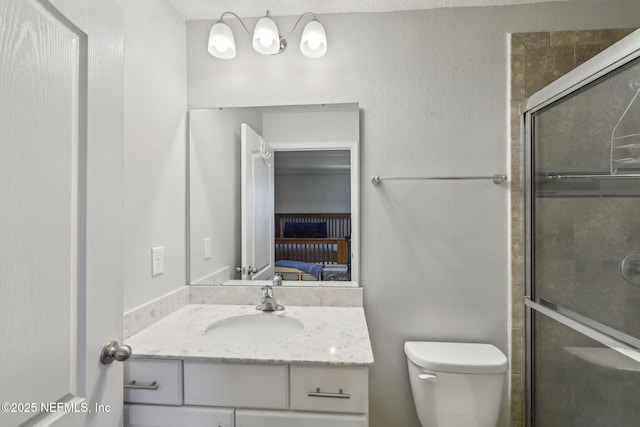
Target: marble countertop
x=331 y=336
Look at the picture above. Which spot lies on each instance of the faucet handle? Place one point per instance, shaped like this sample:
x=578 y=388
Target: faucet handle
x=268 y=303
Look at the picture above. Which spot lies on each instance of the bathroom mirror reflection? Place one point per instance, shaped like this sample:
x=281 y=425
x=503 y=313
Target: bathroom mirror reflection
x=287 y=203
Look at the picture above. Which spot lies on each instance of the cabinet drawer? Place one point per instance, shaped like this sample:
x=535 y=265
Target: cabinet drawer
x=166 y=373
x=168 y=416
x=249 y=418
x=236 y=385
x=331 y=389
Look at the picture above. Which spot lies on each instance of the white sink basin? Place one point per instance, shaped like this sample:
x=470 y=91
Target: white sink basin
x=254 y=329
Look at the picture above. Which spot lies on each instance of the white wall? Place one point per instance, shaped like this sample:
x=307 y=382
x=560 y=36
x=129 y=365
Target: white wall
x=313 y=193
x=316 y=191
x=154 y=153
x=339 y=123
x=432 y=86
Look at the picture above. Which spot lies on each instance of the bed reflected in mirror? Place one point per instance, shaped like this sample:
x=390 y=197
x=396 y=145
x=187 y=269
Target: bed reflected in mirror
x=313 y=245
x=306 y=188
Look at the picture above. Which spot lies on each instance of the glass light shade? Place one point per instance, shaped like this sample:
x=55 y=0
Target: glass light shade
x=221 y=42
x=314 y=40
x=266 y=38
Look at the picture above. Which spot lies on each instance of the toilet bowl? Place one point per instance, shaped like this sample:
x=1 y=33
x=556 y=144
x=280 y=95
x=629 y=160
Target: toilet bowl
x=456 y=384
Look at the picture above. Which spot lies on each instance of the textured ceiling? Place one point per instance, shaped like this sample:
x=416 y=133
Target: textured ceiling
x=212 y=9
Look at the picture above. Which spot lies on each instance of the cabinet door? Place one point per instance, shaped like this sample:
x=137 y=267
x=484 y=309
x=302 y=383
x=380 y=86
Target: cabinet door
x=181 y=416
x=330 y=389
x=165 y=375
x=236 y=385
x=251 y=418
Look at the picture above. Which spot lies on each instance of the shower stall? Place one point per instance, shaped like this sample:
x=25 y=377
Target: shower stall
x=582 y=226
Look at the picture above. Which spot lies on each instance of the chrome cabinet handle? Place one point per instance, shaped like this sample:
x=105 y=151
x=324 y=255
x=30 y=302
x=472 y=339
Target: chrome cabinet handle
x=153 y=385
x=338 y=395
x=114 y=351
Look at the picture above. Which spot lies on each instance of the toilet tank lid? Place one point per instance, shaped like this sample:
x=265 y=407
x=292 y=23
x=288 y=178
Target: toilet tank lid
x=469 y=358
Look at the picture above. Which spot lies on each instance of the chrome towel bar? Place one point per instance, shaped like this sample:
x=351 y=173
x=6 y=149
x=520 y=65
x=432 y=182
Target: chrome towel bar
x=497 y=179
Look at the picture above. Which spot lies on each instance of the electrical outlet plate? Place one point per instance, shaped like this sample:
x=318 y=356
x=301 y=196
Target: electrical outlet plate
x=157 y=261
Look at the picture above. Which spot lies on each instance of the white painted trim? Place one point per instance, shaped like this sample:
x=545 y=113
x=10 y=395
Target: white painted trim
x=353 y=147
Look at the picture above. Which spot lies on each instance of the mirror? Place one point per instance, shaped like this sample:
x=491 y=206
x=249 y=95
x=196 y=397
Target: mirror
x=314 y=153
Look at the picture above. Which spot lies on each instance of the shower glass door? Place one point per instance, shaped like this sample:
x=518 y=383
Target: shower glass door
x=583 y=245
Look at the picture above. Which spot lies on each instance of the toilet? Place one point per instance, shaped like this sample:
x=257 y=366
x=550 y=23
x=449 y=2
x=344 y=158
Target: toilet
x=456 y=384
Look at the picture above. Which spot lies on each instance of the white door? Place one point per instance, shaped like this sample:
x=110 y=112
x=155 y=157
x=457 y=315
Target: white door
x=57 y=106
x=257 y=206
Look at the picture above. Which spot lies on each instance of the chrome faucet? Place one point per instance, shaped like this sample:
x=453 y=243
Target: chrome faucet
x=268 y=302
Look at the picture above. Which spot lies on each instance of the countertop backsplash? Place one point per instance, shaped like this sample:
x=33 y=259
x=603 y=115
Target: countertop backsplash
x=141 y=317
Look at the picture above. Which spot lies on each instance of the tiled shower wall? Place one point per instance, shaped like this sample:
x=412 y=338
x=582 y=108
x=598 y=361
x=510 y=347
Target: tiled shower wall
x=537 y=59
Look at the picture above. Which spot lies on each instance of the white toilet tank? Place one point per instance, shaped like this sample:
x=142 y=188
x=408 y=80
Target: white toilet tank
x=456 y=384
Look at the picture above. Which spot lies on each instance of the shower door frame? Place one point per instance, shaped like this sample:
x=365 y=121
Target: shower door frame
x=609 y=60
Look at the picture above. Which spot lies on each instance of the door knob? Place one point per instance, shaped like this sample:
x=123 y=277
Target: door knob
x=114 y=351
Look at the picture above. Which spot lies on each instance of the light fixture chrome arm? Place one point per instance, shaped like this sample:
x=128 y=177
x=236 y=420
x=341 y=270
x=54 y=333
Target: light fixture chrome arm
x=238 y=18
x=269 y=16
x=297 y=23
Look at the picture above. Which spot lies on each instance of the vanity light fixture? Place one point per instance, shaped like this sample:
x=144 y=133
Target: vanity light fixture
x=266 y=38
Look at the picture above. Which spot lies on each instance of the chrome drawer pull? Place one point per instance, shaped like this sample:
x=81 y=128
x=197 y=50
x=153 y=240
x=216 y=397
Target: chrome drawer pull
x=339 y=395
x=142 y=386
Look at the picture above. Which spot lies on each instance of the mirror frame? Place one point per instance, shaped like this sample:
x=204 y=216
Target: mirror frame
x=352 y=146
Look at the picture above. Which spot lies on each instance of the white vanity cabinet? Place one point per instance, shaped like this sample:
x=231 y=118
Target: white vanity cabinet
x=237 y=385
x=257 y=418
x=177 y=416
x=329 y=389
x=157 y=381
x=154 y=397
x=216 y=394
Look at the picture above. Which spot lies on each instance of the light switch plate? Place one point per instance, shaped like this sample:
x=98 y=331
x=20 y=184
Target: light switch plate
x=157 y=261
x=207 y=248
